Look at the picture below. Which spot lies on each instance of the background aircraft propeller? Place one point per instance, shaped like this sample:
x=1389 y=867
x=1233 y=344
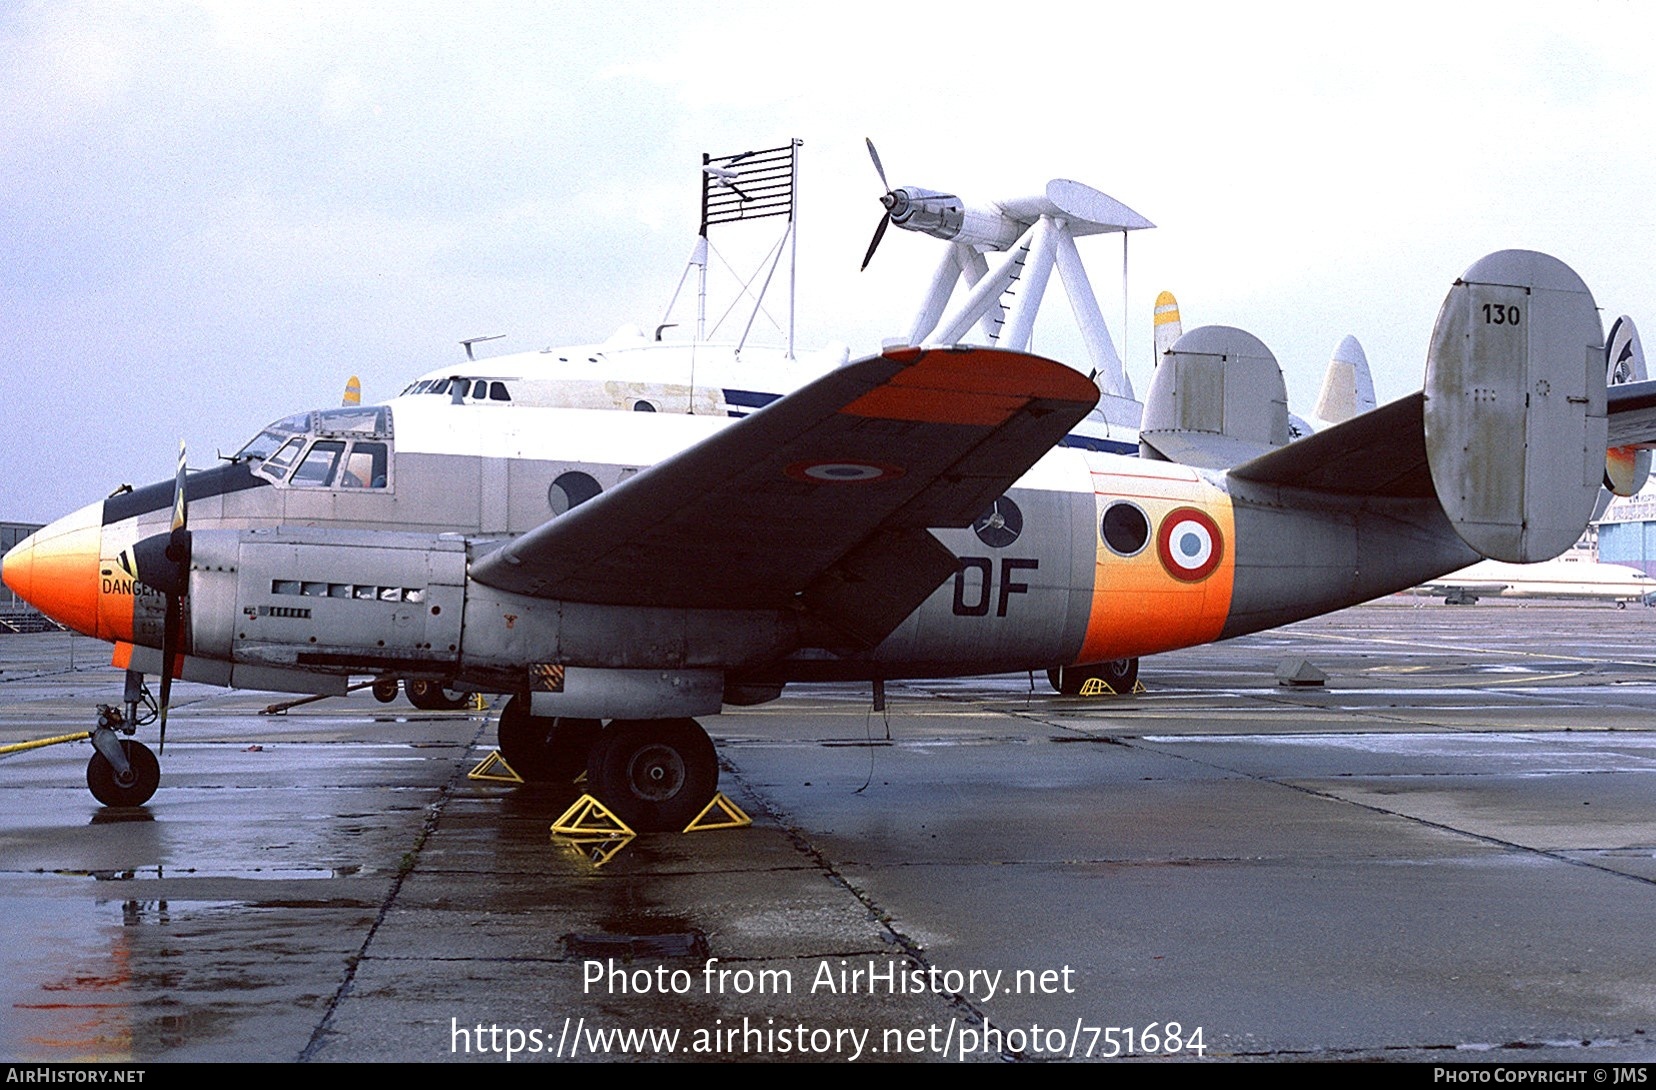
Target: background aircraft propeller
x=889 y=200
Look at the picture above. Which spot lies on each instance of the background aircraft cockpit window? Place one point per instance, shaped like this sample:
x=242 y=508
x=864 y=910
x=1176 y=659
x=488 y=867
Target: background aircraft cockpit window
x=497 y=392
x=317 y=470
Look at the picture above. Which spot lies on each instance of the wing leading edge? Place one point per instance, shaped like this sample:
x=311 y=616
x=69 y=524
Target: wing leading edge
x=825 y=495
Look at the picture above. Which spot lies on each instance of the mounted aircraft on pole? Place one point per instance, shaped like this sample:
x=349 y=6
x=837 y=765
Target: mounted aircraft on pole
x=501 y=527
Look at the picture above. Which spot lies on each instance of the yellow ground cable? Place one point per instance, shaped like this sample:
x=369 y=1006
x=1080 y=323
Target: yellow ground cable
x=19 y=747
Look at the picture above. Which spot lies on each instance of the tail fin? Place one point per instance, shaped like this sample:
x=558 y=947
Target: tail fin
x=1515 y=419
x=1168 y=327
x=353 y=392
x=1625 y=468
x=1348 y=388
x=1217 y=399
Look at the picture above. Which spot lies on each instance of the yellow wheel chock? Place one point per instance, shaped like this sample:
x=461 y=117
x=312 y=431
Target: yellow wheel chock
x=592 y=828
x=1097 y=686
x=600 y=835
x=587 y=816
x=719 y=813
x=494 y=769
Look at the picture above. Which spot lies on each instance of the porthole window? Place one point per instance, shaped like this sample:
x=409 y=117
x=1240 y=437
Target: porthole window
x=571 y=490
x=1126 y=529
x=643 y=407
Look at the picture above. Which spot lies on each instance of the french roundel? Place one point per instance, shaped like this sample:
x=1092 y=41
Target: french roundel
x=843 y=472
x=1189 y=544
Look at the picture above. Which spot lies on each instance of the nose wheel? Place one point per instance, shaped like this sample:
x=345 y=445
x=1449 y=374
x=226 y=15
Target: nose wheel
x=131 y=786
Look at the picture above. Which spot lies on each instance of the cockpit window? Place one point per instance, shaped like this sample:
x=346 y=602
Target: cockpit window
x=317 y=470
x=277 y=464
x=365 y=420
x=268 y=440
x=365 y=467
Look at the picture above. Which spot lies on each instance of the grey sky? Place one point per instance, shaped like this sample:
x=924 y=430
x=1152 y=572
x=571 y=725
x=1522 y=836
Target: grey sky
x=212 y=214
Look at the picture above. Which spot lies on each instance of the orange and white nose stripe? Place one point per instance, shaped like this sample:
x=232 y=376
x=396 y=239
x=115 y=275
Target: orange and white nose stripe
x=55 y=569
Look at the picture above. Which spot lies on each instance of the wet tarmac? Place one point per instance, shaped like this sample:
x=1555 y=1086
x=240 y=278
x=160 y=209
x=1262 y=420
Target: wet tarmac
x=1446 y=853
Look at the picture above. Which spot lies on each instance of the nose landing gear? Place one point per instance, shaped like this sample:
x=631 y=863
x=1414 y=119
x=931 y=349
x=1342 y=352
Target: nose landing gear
x=126 y=778
x=122 y=771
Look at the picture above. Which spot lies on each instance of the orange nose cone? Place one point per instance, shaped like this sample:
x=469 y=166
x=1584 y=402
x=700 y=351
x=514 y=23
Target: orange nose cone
x=55 y=569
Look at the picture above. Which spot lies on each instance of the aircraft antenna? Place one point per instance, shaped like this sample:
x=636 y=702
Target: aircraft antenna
x=748 y=185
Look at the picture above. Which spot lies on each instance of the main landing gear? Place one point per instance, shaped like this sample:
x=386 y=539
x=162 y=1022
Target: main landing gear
x=123 y=772
x=655 y=774
x=1118 y=674
x=430 y=696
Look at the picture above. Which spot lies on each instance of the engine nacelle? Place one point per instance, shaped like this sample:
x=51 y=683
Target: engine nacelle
x=945 y=216
x=328 y=600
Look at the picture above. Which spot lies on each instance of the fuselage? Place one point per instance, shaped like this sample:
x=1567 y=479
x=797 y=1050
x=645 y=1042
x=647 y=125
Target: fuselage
x=338 y=542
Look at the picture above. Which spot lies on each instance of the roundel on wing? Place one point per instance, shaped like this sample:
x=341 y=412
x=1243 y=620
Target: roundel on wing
x=1189 y=544
x=842 y=472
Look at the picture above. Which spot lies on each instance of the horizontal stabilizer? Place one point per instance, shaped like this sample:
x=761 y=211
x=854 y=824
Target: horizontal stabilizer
x=1510 y=432
x=1380 y=453
x=1632 y=409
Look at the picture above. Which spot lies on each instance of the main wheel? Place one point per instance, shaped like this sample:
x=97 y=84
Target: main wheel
x=544 y=748
x=430 y=696
x=656 y=774
x=1118 y=674
x=146 y=776
x=385 y=690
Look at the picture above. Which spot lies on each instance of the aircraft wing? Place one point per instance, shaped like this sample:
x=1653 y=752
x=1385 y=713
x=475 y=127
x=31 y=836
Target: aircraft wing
x=822 y=496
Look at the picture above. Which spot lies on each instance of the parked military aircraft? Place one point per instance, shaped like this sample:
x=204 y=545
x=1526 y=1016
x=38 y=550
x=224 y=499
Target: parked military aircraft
x=911 y=514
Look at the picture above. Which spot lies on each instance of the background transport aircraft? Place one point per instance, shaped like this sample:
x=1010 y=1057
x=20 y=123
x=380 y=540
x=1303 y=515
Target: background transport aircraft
x=912 y=514
x=1567 y=576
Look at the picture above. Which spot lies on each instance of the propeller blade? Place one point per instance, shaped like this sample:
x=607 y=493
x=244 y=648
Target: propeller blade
x=178 y=555
x=878 y=169
x=178 y=513
x=171 y=637
x=879 y=233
